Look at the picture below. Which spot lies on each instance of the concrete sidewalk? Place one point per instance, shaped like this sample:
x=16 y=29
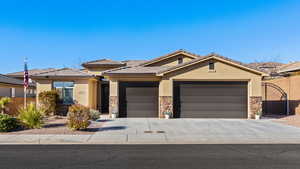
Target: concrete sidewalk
x=174 y=131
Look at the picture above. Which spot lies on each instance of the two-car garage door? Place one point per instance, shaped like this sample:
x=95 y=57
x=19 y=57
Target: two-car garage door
x=191 y=99
x=210 y=99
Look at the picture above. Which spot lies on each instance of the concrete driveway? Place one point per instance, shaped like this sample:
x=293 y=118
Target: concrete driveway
x=182 y=131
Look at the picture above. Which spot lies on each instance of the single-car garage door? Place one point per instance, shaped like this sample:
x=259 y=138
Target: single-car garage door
x=138 y=99
x=210 y=99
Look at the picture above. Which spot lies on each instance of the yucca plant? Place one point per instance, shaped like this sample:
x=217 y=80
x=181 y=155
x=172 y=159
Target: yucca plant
x=31 y=116
x=3 y=103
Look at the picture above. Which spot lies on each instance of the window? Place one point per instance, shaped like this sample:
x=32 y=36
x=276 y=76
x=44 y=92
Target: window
x=65 y=91
x=180 y=60
x=211 y=66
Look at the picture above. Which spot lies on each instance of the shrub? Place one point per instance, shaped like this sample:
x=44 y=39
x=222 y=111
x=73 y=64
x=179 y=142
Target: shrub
x=95 y=114
x=48 y=101
x=78 y=117
x=3 y=103
x=8 y=123
x=31 y=116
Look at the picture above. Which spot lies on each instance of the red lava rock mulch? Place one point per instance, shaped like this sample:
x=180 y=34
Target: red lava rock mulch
x=58 y=125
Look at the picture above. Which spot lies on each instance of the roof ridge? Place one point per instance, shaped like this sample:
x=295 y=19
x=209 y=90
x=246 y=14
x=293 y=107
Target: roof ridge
x=172 y=53
x=208 y=56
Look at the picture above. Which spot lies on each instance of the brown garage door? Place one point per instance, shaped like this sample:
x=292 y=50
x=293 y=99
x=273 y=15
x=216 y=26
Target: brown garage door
x=211 y=99
x=139 y=99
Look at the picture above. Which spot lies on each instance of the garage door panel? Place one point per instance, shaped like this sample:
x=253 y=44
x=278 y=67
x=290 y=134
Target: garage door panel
x=213 y=99
x=139 y=99
x=207 y=99
x=213 y=114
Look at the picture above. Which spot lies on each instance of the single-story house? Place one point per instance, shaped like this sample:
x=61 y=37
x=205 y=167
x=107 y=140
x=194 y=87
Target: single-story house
x=13 y=87
x=185 y=84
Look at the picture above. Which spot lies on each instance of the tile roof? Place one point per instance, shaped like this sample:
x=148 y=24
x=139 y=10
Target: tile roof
x=133 y=62
x=136 y=70
x=180 y=51
x=269 y=67
x=161 y=69
x=10 y=80
x=30 y=72
x=294 y=66
x=103 y=62
x=208 y=56
x=65 y=72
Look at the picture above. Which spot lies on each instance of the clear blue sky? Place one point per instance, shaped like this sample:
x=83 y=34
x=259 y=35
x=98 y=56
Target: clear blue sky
x=59 y=33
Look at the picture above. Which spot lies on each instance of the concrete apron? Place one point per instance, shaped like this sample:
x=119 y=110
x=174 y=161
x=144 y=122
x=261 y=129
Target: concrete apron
x=174 y=131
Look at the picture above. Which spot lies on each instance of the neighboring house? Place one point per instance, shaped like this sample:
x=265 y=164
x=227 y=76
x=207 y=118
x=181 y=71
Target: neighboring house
x=282 y=91
x=186 y=84
x=20 y=76
x=13 y=87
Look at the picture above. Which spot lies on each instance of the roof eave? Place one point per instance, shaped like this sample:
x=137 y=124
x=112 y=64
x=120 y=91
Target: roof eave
x=212 y=56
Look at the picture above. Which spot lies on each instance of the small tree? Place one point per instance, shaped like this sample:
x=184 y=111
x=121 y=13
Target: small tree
x=3 y=103
x=48 y=101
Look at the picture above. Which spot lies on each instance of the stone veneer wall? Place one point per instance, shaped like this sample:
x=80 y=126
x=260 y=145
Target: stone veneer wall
x=165 y=104
x=255 y=105
x=113 y=104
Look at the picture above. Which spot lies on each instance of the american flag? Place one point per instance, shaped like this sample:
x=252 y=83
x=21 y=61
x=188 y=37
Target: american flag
x=26 y=76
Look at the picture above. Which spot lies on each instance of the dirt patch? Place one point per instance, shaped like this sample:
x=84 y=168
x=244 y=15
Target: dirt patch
x=293 y=120
x=58 y=125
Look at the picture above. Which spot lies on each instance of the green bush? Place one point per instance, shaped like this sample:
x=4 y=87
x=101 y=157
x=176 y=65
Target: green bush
x=31 y=116
x=48 y=101
x=3 y=104
x=95 y=114
x=78 y=117
x=8 y=123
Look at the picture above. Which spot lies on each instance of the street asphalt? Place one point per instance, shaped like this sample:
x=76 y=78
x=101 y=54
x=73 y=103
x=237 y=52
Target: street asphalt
x=207 y=156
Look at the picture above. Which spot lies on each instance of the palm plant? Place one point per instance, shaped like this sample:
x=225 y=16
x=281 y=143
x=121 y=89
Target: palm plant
x=31 y=116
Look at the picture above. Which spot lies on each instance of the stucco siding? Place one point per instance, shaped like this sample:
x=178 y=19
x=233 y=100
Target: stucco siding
x=223 y=72
x=5 y=92
x=42 y=85
x=81 y=92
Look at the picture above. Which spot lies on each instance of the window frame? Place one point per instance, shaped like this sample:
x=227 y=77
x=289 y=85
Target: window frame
x=211 y=66
x=180 y=60
x=62 y=101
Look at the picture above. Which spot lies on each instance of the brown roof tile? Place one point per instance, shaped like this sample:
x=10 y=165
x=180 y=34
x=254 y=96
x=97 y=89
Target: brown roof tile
x=180 y=51
x=30 y=72
x=65 y=72
x=295 y=66
x=211 y=55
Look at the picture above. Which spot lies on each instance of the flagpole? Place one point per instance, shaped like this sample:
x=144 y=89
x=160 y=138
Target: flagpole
x=25 y=97
x=25 y=82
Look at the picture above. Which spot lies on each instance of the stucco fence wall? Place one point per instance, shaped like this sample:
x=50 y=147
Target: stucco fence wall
x=16 y=103
x=282 y=95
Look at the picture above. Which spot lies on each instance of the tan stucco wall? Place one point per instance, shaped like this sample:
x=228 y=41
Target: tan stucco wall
x=113 y=87
x=223 y=72
x=85 y=90
x=4 y=91
x=93 y=94
x=172 y=61
x=290 y=85
x=42 y=85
